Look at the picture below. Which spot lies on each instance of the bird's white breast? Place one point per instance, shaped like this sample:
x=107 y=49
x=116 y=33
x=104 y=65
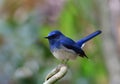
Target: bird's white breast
x=64 y=53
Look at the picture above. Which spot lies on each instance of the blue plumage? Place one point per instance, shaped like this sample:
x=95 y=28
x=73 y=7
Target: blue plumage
x=64 y=48
x=89 y=37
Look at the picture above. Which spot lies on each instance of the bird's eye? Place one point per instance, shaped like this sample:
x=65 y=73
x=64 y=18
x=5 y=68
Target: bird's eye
x=54 y=36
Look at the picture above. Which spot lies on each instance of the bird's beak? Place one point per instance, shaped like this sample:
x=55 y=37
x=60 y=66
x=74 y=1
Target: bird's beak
x=46 y=37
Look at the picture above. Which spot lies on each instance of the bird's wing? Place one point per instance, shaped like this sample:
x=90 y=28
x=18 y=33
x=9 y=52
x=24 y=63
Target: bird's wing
x=70 y=44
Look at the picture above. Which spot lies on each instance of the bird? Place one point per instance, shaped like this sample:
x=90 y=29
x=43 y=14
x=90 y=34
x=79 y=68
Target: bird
x=64 y=48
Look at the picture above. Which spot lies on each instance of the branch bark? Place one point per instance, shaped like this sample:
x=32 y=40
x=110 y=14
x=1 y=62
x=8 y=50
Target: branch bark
x=56 y=74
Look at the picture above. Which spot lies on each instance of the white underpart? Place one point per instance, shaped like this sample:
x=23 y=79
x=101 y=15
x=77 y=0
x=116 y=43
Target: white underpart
x=83 y=45
x=64 y=54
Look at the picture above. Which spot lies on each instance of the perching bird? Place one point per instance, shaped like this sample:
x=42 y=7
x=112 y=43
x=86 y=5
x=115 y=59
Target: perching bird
x=64 y=48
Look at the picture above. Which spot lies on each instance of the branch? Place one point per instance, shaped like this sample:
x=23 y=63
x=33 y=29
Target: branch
x=56 y=74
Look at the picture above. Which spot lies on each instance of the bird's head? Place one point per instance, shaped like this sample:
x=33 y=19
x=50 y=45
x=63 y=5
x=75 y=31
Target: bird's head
x=54 y=35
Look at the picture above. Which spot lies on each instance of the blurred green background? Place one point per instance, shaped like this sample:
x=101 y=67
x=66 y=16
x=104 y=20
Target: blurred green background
x=25 y=57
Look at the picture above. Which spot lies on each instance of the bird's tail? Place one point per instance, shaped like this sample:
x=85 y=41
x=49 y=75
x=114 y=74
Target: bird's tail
x=87 y=38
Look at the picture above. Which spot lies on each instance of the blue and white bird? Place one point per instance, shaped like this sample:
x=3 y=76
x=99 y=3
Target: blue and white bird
x=64 y=48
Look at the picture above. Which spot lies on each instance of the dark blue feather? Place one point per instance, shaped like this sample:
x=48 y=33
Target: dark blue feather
x=89 y=37
x=70 y=44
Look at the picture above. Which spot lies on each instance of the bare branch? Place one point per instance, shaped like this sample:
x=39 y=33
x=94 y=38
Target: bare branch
x=56 y=74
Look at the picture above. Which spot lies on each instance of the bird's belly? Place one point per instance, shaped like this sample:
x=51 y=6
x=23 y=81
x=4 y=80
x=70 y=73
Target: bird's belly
x=64 y=54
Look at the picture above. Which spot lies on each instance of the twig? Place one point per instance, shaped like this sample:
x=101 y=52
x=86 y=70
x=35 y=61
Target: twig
x=56 y=74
